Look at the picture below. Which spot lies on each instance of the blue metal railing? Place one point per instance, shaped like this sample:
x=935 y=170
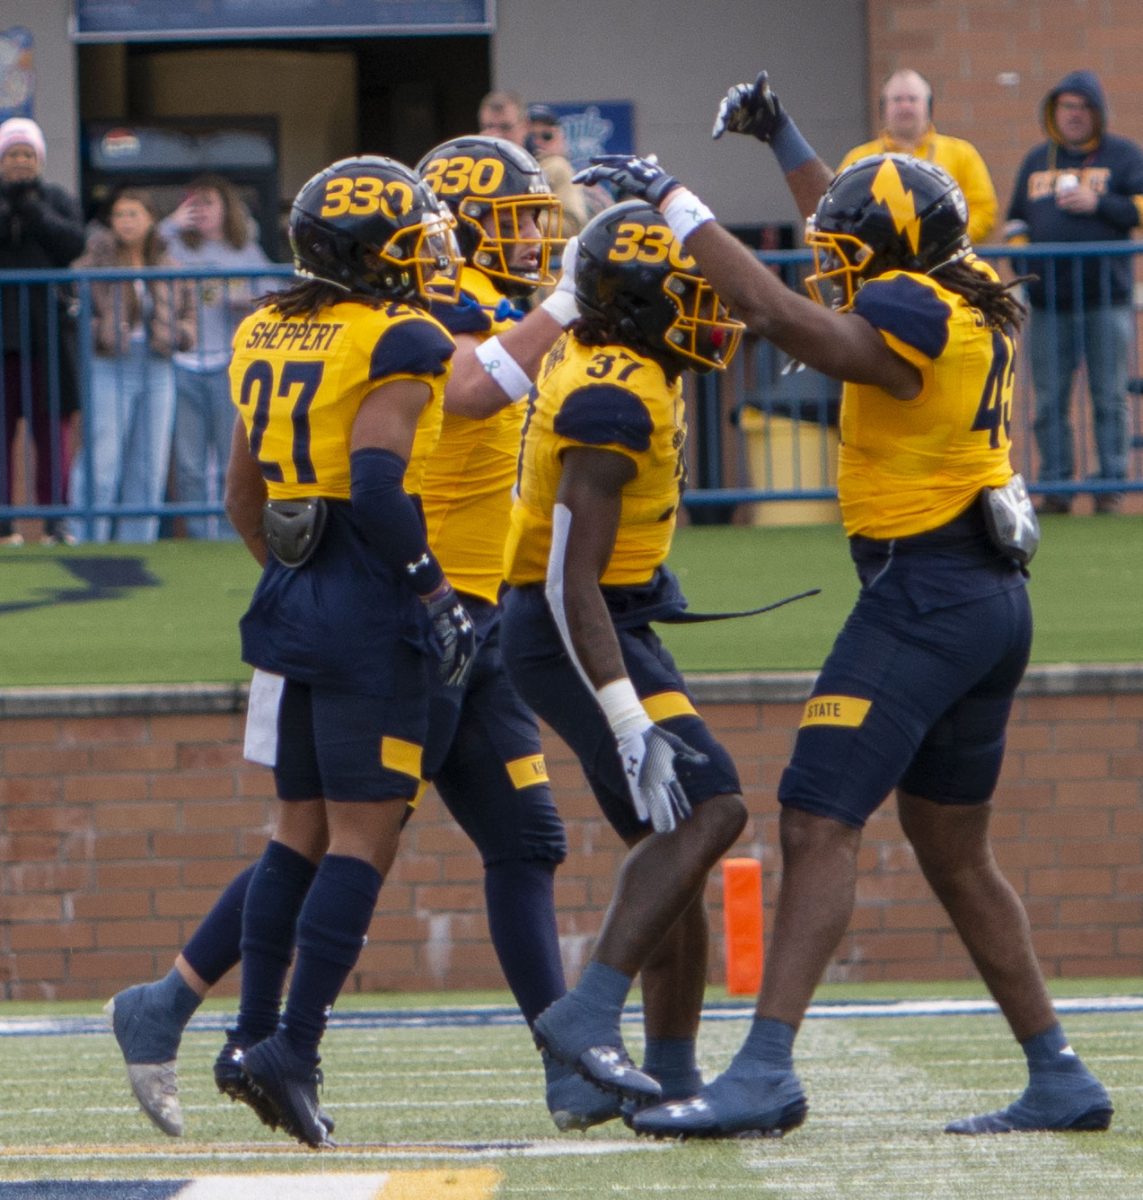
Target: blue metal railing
x=769 y=407
x=735 y=415
x=64 y=300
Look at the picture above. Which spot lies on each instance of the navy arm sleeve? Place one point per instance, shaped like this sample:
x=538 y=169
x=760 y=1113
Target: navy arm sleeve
x=390 y=518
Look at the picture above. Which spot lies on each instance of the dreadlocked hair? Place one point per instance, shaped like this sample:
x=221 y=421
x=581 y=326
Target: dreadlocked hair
x=991 y=298
x=308 y=296
x=595 y=331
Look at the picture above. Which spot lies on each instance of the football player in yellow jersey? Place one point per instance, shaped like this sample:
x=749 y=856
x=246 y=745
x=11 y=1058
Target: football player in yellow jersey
x=492 y=776
x=601 y=473
x=486 y=759
x=338 y=381
x=915 y=694
x=484 y=753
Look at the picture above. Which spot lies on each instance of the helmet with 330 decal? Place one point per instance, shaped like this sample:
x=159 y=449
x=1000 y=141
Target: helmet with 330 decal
x=635 y=278
x=508 y=220
x=882 y=213
x=370 y=226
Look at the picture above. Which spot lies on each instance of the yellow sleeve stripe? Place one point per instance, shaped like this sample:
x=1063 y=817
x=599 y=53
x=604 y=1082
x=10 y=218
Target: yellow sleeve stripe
x=918 y=358
x=411 y=805
x=399 y=755
x=527 y=772
x=846 y=711
x=664 y=705
x=1138 y=202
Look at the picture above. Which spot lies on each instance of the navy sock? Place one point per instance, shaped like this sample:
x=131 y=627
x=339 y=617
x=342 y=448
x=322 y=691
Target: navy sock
x=216 y=945
x=672 y=1062
x=770 y=1042
x=1045 y=1051
x=176 y=996
x=604 y=987
x=164 y=1008
x=522 y=921
x=331 y=932
x=274 y=898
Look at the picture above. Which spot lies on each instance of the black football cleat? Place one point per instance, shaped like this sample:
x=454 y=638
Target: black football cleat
x=289 y=1085
x=231 y=1081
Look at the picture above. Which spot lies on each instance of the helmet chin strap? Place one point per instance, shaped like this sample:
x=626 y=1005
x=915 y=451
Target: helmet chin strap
x=306 y=273
x=960 y=253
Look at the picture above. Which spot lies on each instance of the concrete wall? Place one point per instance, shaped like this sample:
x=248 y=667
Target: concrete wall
x=122 y=814
x=675 y=59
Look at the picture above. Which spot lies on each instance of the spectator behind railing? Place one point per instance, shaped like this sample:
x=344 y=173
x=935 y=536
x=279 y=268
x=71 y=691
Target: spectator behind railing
x=137 y=326
x=210 y=228
x=545 y=139
x=1081 y=185
x=40 y=227
x=906 y=109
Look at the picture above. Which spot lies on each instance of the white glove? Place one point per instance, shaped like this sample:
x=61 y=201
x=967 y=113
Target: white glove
x=561 y=304
x=648 y=758
x=647 y=752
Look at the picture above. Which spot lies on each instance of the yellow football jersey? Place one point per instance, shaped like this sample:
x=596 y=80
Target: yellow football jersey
x=467 y=487
x=908 y=466
x=298 y=383
x=612 y=398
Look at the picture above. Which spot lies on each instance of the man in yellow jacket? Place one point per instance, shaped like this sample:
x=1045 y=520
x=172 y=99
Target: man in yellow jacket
x=907 y=113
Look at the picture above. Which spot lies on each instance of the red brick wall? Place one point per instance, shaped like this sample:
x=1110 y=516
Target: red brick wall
x=116 y=832
x=965 y=47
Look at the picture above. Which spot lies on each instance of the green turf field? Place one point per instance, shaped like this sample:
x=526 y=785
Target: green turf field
x=168 y=613
x=466 y=1102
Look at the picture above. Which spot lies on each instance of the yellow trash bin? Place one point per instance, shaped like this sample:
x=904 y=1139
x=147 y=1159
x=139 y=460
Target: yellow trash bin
x=787 y=455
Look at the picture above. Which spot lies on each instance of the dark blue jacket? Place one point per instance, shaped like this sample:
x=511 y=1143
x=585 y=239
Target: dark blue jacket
x=1113 y=167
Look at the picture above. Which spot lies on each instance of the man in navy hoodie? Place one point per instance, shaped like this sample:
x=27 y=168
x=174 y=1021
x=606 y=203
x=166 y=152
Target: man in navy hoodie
x=1082 y=185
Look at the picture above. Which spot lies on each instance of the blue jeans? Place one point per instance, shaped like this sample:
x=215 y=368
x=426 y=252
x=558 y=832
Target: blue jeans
x=127 y=433
x=204 y=424
x=1057 y=342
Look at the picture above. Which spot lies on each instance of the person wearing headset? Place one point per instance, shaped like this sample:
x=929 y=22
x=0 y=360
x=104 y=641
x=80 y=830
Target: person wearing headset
x=907 y=128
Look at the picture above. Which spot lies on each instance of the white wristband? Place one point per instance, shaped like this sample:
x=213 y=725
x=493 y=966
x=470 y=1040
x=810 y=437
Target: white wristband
x=622 y=707
x=561 y=306
x=509 y=376
x=684 y=212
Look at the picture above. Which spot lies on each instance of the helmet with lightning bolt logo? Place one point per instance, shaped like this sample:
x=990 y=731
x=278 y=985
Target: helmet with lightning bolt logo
x=885 y=212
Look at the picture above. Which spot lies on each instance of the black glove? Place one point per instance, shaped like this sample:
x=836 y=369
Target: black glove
x=750 y=108
x=453 y=636
x=23 y=194
x=639 y=177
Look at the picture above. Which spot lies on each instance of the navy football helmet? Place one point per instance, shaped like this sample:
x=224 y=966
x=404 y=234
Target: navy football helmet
x=492 y=187
x=884 y=212
x=633 y=275
x=369 y=225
